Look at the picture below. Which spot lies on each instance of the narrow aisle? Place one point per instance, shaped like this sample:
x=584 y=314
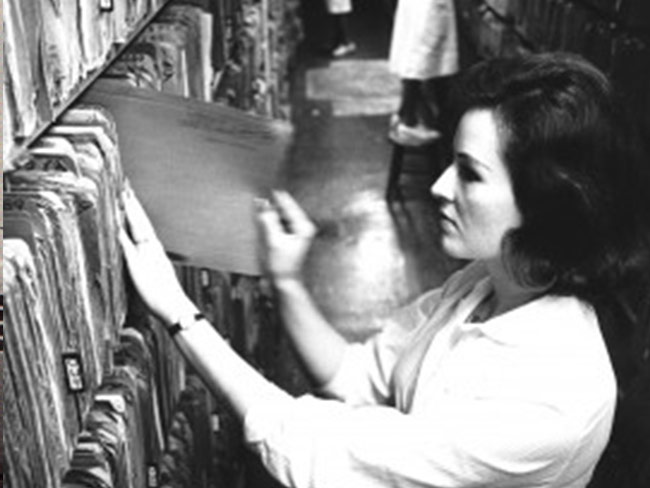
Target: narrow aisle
x=368 y=257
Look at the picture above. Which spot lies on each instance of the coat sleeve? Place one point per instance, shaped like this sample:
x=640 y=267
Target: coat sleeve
x=365 y=372
x=314 y=443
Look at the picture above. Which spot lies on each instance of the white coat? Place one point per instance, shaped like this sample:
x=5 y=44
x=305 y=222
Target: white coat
x=424 y=42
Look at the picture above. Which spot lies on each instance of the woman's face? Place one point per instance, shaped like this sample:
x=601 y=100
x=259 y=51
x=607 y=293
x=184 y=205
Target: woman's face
x=477 y=204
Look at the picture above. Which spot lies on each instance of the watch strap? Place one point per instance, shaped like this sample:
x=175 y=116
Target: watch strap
x=183 y=325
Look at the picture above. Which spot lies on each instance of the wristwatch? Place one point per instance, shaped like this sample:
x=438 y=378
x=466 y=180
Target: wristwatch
x=184 y=323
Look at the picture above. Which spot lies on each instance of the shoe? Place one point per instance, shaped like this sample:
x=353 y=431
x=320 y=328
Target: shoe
x=416 y=136
x=343 y=50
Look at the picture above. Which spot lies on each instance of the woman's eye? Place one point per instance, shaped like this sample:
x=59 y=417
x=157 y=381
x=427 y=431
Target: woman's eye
x=467 y=173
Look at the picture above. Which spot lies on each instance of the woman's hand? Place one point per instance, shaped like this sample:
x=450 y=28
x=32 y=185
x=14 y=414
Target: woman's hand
x=287 y=233
x=151 y=270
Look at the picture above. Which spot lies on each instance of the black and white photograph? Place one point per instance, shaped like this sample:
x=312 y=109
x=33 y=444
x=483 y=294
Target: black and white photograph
x=325 y=244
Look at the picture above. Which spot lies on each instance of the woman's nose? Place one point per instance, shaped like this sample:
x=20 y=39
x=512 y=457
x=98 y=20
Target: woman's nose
x=443 y=188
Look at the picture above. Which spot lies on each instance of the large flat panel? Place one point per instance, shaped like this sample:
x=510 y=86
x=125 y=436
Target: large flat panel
x=197 y=167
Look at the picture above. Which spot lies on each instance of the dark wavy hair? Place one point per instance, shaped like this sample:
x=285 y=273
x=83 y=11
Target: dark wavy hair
x=580 y=179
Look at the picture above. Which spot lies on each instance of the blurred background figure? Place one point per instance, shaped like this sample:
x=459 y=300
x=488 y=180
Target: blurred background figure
x=424 y=47
x=341 y=45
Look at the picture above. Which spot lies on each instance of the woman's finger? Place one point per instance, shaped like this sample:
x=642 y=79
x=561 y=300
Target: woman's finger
x=127 y=244
x=139 y=224
x=271 y=223
x=293 y=214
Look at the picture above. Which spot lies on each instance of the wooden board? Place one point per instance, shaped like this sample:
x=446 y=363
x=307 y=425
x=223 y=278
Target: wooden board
x=197 y=167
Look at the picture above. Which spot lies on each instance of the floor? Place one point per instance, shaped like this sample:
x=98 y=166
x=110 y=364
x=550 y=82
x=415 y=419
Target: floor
x=370 y=255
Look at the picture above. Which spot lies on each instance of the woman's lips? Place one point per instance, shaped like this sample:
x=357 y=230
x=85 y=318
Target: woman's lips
x=446 y=223
x=445 y=218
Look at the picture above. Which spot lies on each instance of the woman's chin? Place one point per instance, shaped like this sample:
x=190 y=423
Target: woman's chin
x=452 y=248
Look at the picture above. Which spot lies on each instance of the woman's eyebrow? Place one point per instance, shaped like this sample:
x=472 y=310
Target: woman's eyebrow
x=466 y=158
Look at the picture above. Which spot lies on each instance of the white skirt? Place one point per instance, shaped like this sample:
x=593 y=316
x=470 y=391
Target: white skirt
x=424 y=43
x=339 y=6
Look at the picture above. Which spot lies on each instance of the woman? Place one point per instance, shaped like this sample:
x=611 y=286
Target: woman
x=502 y=376
x=424 y=48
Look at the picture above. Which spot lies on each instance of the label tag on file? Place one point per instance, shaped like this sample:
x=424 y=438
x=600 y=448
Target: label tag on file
x=152 y=476
x=216 y=422
x=74 y=373
x=106 y=5
x=205 y=278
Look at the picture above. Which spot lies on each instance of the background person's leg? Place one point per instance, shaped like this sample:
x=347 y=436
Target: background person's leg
x=408 y=110
x=410 y=127
x=339 y=11
x=428 y=107
x=342 y=44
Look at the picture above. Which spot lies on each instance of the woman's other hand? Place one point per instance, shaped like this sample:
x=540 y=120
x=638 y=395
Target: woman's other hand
x=151 y=270
x=287 y=233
